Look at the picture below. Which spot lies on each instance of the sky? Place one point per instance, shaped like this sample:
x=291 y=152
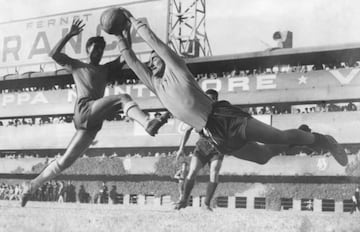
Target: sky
x=237 y=26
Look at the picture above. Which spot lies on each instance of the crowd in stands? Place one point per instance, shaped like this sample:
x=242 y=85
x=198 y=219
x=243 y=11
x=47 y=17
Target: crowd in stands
x=236 y=72
x=104 y=196
x=38 y=88
x=28 y=154
x=58 y=119
x=56 y=191
x=136 y=154
x=37 y=120
x=59 y=191
x=256 y=110
x=139 y=154
x=10 y=192
x=49 y=87
x=51 y=191
x=298 y=109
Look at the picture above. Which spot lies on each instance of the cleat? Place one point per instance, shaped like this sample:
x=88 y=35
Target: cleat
x=25 y=197
x=180 y=205
x=327 y=143
x=321 y=143
x=26 y=194
x=206 y=207
x=155 y=124
x=337 y=151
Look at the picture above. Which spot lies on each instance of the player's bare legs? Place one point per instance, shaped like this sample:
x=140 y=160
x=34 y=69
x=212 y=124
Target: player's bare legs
x=215 y=166
x=195 y=166
x=261 y=132
x=110 y=105
x=77 y=146
x=259 y=153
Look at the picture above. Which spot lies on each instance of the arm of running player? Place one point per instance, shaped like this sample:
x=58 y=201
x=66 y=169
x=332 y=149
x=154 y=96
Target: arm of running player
x=59 y=57
x=183 y=141
x=166 y=53
x=140 y=69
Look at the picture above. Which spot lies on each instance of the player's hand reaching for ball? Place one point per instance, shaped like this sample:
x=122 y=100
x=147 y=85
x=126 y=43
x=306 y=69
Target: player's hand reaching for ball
x=124 y=38
x=127 y=14
x=126 y=34
x=76 y=27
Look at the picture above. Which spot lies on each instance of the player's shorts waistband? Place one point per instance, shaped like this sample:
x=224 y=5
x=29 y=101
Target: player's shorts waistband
x=225 y=109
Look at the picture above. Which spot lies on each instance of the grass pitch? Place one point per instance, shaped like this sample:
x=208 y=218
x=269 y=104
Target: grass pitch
x=66 y=217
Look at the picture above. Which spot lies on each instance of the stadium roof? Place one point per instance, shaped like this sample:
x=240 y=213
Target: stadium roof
x=269 y=58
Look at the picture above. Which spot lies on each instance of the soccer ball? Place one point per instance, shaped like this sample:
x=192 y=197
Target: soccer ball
x=113 y=21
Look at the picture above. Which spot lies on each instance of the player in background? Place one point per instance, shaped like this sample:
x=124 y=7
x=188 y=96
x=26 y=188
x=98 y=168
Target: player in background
x=226 y=127
x=91 y=107
x=204 y=153
x=355 y=200
x=180 y=175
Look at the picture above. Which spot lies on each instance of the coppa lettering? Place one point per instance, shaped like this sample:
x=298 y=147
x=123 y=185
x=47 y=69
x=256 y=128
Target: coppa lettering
x=23 y=98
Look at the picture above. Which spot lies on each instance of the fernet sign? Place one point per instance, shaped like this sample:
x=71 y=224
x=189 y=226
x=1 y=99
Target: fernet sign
x=28 y=42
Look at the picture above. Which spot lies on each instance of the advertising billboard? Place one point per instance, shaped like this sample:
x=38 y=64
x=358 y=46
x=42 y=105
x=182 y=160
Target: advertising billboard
x=28 y=42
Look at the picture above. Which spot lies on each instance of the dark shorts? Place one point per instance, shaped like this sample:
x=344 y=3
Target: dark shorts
x=83 y=119
x=227 y=124
x=206 y=152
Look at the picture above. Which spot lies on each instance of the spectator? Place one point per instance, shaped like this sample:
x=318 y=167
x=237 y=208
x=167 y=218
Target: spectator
x=309 y=204
x=56 y=191
x=83 y=195
x=351 y=107
x=70 y=193
x=43 y=189
x=104 y=194
x=356 y=200
x=61 y=192
x=37 y=196
x=11 y=193
x=262 y=110
x=114 y=155
x=113 y=195
x=252 y=111
x=180 y=175
x=333 y=108
x=157 y=115
x=267 y=110
x=50 y=191
x=16 y=193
